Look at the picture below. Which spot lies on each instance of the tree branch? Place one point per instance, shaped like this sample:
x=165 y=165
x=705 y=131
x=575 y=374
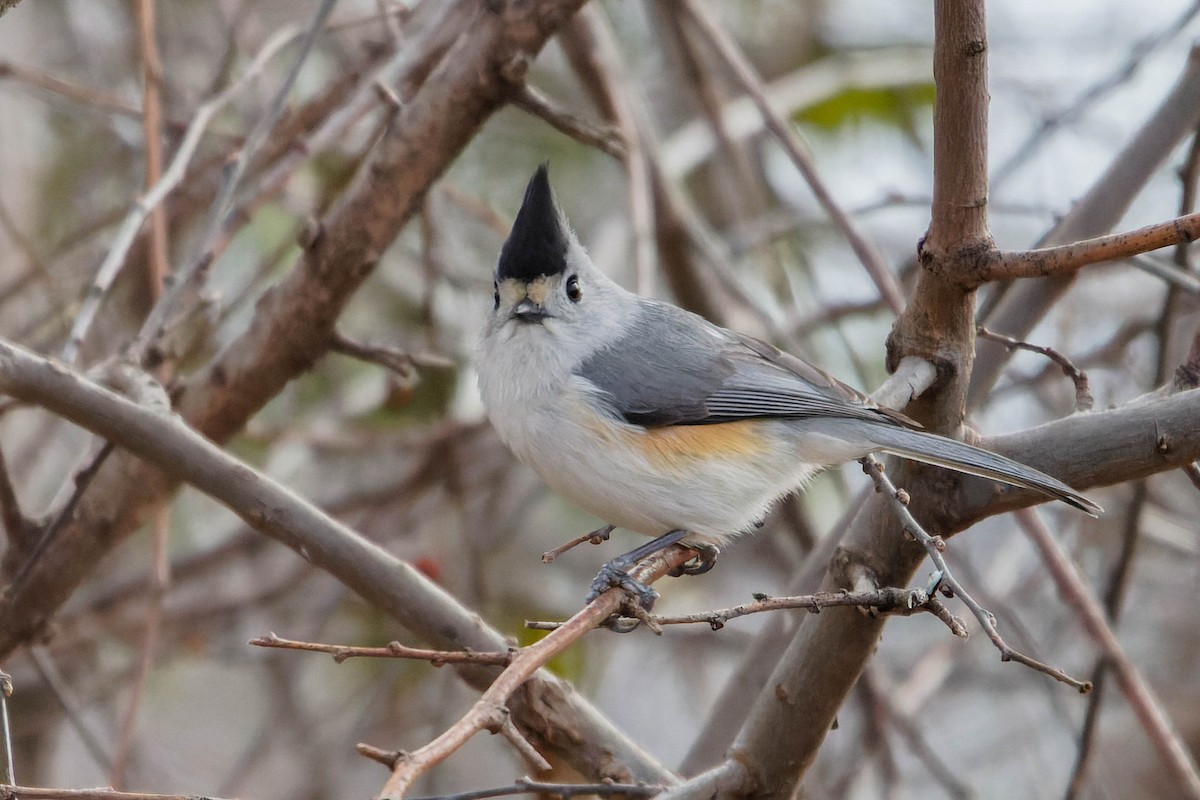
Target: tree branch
x=1006 y=265
x=383 y=580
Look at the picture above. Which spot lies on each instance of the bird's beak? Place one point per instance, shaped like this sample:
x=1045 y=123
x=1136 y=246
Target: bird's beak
x=529 y=311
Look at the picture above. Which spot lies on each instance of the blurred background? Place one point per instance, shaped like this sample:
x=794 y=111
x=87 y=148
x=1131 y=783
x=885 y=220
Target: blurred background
x=407 y=458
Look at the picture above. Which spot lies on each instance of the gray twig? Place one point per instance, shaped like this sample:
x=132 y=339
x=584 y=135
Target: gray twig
x=934 y=546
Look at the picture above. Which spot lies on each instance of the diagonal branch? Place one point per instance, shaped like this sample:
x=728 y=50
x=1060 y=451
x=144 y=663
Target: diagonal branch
x=379 y=577
x=1138 y=693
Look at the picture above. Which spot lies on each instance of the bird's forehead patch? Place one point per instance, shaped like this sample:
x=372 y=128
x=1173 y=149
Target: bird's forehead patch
x=513 y=291
x=538 y=289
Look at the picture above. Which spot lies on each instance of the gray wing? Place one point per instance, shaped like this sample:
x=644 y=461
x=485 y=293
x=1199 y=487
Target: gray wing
x=675 y=368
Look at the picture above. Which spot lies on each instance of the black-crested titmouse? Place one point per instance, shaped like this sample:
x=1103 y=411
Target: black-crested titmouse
x=658 y=421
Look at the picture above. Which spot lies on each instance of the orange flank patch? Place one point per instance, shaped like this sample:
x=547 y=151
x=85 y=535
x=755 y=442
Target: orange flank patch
x=669 y=445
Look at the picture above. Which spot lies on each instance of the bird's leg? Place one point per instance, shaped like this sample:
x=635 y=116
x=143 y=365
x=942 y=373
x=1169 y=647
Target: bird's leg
x=616 y=572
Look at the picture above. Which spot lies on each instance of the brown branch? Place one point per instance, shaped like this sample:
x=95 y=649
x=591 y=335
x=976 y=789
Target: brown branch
x=489 y=711
x=1140 y=696
x=145 y=204
x=403 y=363
x=1083 y=394
x=1118 y=583
x=604 y=138
x=232 y=171
x=598 y=536
x=1007 y=265
x=158 y=262
x=564 y=790
x=593 y=32
x=341 y=652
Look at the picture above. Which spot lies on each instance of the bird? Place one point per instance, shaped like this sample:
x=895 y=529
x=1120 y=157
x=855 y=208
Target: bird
x=660 y=422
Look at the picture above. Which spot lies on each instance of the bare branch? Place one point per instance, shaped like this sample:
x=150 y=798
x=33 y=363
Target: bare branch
x=1083 y=394
x=234 y=167
x=564 y=790
x=383 y=580
x=341 y=652
x=1141 y=697
x=1096 y=213
x=146 y=203
x=489 y=710
x=42 y=793
x=935 y=546
x=897 y=602
x=598 y=536
x=602 y=137
x=747 y=76
x=1007 y=265
x=403 y=363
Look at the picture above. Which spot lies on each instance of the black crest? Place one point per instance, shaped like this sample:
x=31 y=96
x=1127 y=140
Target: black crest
x=538 y=242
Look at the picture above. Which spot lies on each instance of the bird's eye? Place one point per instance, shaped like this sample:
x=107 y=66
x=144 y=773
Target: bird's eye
x=574 y=293
x=495 y=295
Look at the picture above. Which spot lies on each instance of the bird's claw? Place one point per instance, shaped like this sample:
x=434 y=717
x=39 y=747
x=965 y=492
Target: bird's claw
x=614 y=574
x=706 y=559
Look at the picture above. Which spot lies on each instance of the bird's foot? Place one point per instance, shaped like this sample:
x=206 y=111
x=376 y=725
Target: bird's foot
x=616 y=574
x=706 y=559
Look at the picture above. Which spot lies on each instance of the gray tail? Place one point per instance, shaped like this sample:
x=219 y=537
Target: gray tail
x=953 y=454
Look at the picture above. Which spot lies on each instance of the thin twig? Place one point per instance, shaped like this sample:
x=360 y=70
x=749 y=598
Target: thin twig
x=403 y=363
x=83 y=479
x=613 y=85
x=747 y=76
x=341 y=652
x=527 y=786
x=234 y=168
x=1083 y=395
x=1138 y=693
x=158 y=262
x=42 y=793
x=604 y=138
x=934 y=546
x=1121 y=74
x=146 y=203
x=598 y=536
x=900 y=602
x=157 y=269
x=917 y=739
x=93 y=741
x=523 y=747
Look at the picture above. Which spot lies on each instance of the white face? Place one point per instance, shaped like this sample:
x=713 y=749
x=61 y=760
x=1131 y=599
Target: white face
x=550 y=302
